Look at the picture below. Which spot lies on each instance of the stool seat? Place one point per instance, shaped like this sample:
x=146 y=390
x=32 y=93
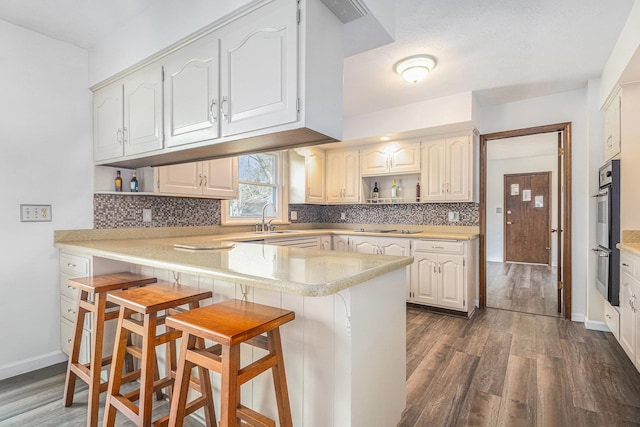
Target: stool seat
x=229 y=324
x=147 y=303
x=97 y=288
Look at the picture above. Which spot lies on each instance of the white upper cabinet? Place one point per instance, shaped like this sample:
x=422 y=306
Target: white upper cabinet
x=191 y=105
x=212 y=178
x=259 y=71
x=392 y=158
x=612 y=128
x=315 y=173
x=449 y=169
x=127 y=115
x=343 y=176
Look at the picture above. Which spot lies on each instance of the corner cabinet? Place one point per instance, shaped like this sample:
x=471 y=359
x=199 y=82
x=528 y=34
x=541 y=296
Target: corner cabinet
x=343 y=176
x=127 y=115
x=212 y=179
x=449 y=169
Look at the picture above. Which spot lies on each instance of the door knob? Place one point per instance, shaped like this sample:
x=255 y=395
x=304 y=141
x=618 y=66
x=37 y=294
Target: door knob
x=509 y=222
x=553 y=230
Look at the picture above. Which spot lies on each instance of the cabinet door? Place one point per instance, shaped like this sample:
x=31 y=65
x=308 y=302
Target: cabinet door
x=184 y=179
x=340 y=243
x=433 y=173
x=191 y=106
x=451 y=285
x=458 y=157
x=335 y=177
x=424 y=278
x=398 y=247
x=143 y=111
x=364 y=245
x=627 y=315
x=220 y=178
x=314 y=168
x=325 y=243
x=259 y=71
x=351 y=174
x=107 y=123
x=612 y=129
x=405 y=158
x=374 y=161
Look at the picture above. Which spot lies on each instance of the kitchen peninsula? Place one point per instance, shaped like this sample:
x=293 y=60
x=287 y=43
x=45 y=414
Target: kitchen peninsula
x=344 y=353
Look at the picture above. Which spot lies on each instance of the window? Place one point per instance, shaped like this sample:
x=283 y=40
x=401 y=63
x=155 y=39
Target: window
x=260 y=181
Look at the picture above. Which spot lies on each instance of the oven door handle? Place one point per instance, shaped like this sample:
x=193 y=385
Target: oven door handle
x=602 y=252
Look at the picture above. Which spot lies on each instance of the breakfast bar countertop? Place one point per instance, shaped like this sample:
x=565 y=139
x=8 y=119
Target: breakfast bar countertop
x=296 y=271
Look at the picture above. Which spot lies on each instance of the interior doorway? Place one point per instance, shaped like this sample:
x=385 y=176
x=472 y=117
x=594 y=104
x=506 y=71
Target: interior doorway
x=550 y=268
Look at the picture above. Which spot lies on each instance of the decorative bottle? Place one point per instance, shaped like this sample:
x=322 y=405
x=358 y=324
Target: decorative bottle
x=376 y=192
x=118 y=181
x=394 y=190
x=418 y=191
x=133 y=185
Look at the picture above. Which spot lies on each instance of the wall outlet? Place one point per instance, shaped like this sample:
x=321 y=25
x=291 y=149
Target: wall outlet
x=146 y=215
x=294 y=215
x=343 y=215
x=35 y=213
x=454 y=216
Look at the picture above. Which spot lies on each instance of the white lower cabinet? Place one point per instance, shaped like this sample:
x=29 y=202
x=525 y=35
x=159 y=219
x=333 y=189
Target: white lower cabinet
x=340 y=243
x=629 y=335
x=443 y=274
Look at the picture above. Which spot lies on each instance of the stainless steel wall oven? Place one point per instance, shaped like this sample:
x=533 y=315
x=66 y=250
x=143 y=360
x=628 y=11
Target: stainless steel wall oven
x=608 y=232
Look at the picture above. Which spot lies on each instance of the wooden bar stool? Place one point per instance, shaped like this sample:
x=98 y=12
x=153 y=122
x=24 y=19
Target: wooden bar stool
x=231 y=323
x=93 y=299
x=148 y=302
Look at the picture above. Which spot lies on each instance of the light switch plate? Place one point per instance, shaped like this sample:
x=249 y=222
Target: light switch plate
x=343 y=215
x=146 y=215
x=454 y=216
x=294 y=215
x=35 y=213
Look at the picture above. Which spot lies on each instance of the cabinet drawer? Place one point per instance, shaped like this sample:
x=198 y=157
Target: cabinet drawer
x=74 y=265
x=66 y=334
x=67 y=290
x=68 y=309
x=439 y=246
x=612 y=319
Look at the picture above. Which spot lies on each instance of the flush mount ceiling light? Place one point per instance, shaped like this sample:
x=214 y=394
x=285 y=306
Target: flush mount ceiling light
x=415 y=68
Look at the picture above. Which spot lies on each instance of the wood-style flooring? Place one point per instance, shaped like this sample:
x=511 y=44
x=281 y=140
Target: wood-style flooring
x=527 y=288
x=501 y=368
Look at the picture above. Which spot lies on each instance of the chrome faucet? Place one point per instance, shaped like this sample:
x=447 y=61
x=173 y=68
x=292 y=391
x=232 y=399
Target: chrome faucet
x=264 y=224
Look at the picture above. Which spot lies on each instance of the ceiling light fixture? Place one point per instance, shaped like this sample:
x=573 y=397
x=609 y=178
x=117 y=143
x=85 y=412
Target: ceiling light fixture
x=415 y=68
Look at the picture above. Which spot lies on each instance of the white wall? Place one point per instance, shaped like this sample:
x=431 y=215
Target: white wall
x=46 y=159
x=563 y=107
x=496 y=169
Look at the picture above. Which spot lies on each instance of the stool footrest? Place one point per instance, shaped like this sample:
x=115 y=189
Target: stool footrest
x=205 y=358
x=254 y=369
x=253 y=418
x=125 y=405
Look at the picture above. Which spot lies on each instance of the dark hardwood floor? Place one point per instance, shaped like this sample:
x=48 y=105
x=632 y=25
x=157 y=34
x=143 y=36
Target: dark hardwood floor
x=501 y=368
x=527 y=288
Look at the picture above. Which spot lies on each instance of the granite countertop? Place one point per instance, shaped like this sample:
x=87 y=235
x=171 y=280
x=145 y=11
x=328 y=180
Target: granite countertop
x=306 y=272
x=631 y=247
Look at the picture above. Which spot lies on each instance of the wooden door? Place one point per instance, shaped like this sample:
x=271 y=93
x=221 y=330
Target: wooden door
x=259 y=71
x=527 y=219
x=191 y=104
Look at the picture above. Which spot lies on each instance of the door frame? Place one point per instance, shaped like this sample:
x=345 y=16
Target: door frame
x=564 y=228
x=548 y=207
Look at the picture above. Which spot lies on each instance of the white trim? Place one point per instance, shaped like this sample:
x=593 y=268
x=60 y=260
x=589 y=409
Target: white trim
x=492 y=259
x=31 y=364
x=596 y=325
x=577 y=317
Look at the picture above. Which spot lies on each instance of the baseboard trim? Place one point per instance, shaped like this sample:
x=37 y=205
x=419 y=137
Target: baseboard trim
x=493 y=259
x=31 y=364
x=577 y=317
x=596 y=325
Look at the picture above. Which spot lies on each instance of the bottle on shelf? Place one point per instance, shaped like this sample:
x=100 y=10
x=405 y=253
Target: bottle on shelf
x=376 y=193
x=134 y=183
x=394 y=190
x=418 y=191
x=118 y=181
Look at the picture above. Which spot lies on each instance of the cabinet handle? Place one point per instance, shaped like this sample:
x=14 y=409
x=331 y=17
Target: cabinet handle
x=124 y=135
x=211 y=110
x=434 y=268
x=205 y=181
x=68 y=340
x=119 y=135
x=70 y=264
x=222 y=104
x=437 y=247
x=608 y=316
x=70 y=311
x=624 y=264
x=200 y=182
x=439 y=268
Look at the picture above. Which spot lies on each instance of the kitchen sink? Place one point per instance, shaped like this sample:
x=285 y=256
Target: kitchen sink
x=277 y=232
x=373 y=230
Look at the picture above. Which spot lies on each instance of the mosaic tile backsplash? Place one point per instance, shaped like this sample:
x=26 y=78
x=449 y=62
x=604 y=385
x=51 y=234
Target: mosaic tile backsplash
x=125 y=211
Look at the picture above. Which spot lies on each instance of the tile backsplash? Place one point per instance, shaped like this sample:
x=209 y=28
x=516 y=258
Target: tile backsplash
x=125 y=211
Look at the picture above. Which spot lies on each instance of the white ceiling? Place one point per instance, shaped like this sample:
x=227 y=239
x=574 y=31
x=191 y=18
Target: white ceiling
x=503 y=50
